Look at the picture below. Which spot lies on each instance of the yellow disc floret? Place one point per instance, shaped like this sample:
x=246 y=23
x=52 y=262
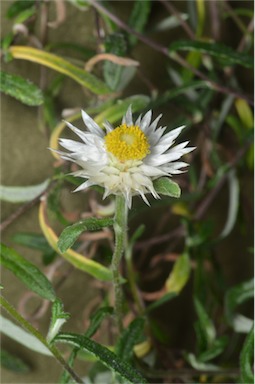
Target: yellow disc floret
x=127 y=143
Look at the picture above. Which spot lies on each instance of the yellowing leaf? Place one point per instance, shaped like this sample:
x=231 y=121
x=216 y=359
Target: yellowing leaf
x=245 y=113
x=79 y=261
x=55 y=62
x=142 y=349
x=179 y=275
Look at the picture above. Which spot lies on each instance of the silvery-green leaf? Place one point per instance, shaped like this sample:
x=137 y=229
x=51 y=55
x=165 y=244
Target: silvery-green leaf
x=22 y=194
x=18 y=334
x=167 y=187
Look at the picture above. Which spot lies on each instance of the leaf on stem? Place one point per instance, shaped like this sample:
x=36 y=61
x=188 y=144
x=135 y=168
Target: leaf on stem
x=96 y=320
x=21 y=89
x=55 y=62
x=72 y=232
x=234 y=297
x=27 y=272
x=246 y=359
x=129 y=338
x=179 y=275
x=220 y=51
x=167 y=187
x=205 y=325
x=108 y=358
x=138 y=18
x=18 y=7
x=79 y=261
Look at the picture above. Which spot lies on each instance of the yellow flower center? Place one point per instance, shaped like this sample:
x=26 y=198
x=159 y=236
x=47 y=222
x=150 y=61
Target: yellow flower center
x=127 y=143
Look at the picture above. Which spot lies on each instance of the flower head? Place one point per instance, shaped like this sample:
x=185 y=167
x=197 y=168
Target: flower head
x=125 y=160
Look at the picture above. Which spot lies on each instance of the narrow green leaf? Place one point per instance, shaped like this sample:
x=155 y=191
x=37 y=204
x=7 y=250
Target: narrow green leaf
x=55 y=62
x=182 y=89
x=129 y=338
x=13 y=363
x=22 y=194
x=71 y=233
x=179 y=275
x=19 y=6
x=28 y=273
x=32 y=240
x=108 y=358
x=24 y=15
x=117 y=45
x=170 y=22
x=220 y=51
x=245 y=113
x=200 y=366
x=234 y=297
x=215 y=350
x=164 y=299
x=96 y=320
x=139 y=17
x=233 y=204
x=21 y=89
x=79 y=261
x=18 y=334
x=246 y=359
x=167 y=187
x=205 y=323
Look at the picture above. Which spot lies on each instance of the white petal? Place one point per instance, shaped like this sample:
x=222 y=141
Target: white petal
x=151 y=171
x=171 y=136
x=91 y=125
x=72 y=145
x=138 y=121
x=78 y=132
x=85 y=185
x=146 y=121
x=151 y=128
x=128 y=119
x=108 y=126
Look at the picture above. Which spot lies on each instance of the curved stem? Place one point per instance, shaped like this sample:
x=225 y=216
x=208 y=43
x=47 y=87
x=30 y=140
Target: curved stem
x=120 y=230
x=55 y=352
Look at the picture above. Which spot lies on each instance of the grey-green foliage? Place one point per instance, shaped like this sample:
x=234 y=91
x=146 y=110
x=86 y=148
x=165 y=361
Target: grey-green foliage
x=108 y=358
x=21 y=89
x=71 y=233
x=27 y=272
x=115 y=44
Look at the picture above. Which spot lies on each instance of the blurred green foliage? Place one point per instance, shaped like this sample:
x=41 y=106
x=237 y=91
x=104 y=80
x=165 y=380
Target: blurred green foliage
x=195 y=64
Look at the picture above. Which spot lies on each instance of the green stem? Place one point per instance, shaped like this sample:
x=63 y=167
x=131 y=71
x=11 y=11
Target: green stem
x=120 y=230
x=12 y=311
x=131 y=279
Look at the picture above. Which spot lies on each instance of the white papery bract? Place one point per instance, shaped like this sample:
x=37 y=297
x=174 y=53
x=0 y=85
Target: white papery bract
x=127 y=159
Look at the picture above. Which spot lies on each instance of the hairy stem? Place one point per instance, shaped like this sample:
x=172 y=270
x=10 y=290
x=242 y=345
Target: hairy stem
x=25 y=324
x=120 y=230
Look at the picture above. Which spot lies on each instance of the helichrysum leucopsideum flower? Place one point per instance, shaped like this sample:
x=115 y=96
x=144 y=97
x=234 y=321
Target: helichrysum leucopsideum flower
x=125 y=160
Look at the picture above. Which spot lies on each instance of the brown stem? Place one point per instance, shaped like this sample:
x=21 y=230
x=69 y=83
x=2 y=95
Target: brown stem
x=164 y=50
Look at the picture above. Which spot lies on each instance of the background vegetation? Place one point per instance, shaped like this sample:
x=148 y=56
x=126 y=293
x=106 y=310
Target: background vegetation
x=190 y=259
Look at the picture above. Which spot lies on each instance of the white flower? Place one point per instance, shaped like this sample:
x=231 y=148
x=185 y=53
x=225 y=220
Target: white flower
x=125 y=160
